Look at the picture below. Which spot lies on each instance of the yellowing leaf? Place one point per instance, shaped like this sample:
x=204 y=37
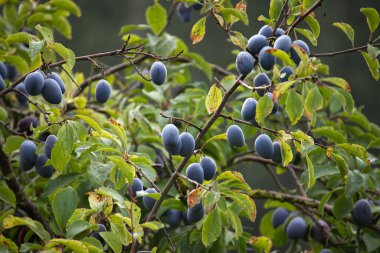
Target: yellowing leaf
x=213 y=99
x=198 y=31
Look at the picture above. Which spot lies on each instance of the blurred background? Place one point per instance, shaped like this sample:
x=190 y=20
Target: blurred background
x=97 y=31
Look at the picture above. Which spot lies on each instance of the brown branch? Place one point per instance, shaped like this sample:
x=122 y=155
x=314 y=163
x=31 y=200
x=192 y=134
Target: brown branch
x=180 y=119
x=193 y=182
x=303 y=16
x=351 y=50
x=282 y=14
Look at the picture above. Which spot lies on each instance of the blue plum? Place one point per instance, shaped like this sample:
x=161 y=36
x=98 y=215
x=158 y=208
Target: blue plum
x=285 y=73
x=187 y=144
x=43 y=170
x=318 y=231
x=49 y=144
x=209 y=167
x=235 y=136
x=325 y=251
x=248 y=110
x=51 y=92
x=197 y=6
x=170 y=138
x=59 y=80
x=303 y=46
x=266 y=59
x=28 y=155
x=183 y=12
x=21 y=98
x=148 y=201
x=158 y=73
x=244 y=63
x=195 y=172
x=261 y=79
x=266 y=31
x=11 y=72
x=102 y=91
x=361 y=213
x=174 y=217
x=137 y=185
x=279 y=216
x=2 y=83
x=277 y=157
x=297 y=228
x=264 y=146
x=24 y=125
x=195 y=213
x=34 y=83
x=256 y=43
x=284 y=43
x=279 y=32
x=3 y=70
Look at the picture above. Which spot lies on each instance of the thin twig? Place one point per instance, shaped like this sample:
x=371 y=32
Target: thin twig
x=303 y=16
x=180 y=119
x=193 y=182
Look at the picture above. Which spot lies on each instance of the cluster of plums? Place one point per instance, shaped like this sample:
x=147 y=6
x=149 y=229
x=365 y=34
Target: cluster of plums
x=185 y=12
x=29 y=158
x=204 y=170
x=175 y=143
x=6 y=72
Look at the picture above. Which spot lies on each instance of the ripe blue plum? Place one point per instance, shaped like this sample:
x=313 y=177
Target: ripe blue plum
x=195 y=172
x=266 y=60
x=279 y=216
x=318 y=231
x=148 y=201
x=102 y=91
x=264 y=146
x=174 y=217
x=24 y=125
x=235 y=136
x=256 y=43
x=158 y=73
x=279 y=32
x=248 y=110
x=95 y=234
x=325 y=251
x=297 y=228
x=209 y=167
x=285 y=73
x=266 y=31
x=49 y=144
x=244 y=63
x=59 y=80
x=187 y=144
x=197 y=6
x=277 y=156
x=2 y=83
x=21 y=98
x=51 y=92
x=275 y=104
x=137 y=185
x=34 y=83
x=43 y=170
x=303 y=46
x=195 y=213
x=11 y=72
x=361 y=213
x=261 y=79
x=3 y=70
x=284 y=43
x=183 y=12
x=170 y=138
x=27 y=155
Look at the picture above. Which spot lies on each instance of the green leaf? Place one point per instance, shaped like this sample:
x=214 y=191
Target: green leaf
x=20 y=63
x=105 y=191
x=66 y=53
x=156 y=17
x=284 y=57
x=35 y=47
x=213 y=99
x=241 y=15
x=372 y=18
x=261 y=243
x=371 y=240
x=294 y=106
x=275 y=8
x=314 y=26
x=347 y=29
x=238 y=39
x=74 y=245
x=340 y=82
x=201 y=63
x=264 y=107
x=281 y=88
x=77 y=227
x=342 y=165
x=91 y=122
x=127 y=28
x=342 y=207
x=59 y=182
x=355 y=149
x=112 y=240
x=8 y=244
x=286 y=153
x=310 y=168
x=353 y=184
x=12 y=143
x=212 y=227
x=126 y=168
x=63 y=205
x=19 y=37
x=46 y=33
x=373 y=65
x=236 y=222
x=7 y=196
x=153 y=225
x=198 y=31
x=61 y=153
x=308 y=34
x=314 y=101
x=330 y=133
x=67 y=5
x=12 y=221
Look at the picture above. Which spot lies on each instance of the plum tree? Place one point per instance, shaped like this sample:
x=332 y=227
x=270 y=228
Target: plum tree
x=303 y=46
x=158 y=73
x=266 y=31
x=149 y=201
x=49 y=144
x=174 y=217
x=170 y=138
x=248 y=110
x=279 y=216
x=27 y=155
x=196 y=213
x=58 y=79
x=137 y=185
x=187 y=144
x=3 y=70
x=102 y=91
x=44 y=170
x=184 y=12
x=277 y=156
x=34 y=83
x=235 y=136
x=256 y=43
x=297 y=228
x=260 y=80
x=361 y=213
x=319 y=231
x=284 y=43
x=244 y=63
x=285 y=73
x=264 y=146
x=51 y=91
x=209 y=167
x=266 y=59
x=195 y=172
x=24 y=125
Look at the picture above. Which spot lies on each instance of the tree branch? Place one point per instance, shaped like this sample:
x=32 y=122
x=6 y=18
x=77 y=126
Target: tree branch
x=351 y=50
x=303 y=16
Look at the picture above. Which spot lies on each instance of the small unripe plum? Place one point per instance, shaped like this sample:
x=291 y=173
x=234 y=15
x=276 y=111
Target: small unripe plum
x=279 y=32
x=325 y=251
x=248 y=110
x=22 y=99
x=137 y=185
x=261 y=79
x=264 y=146
x=361 y=213
x=279 y=216
x=235 y=136
x=171 y=140
x=266 y=60
x=2 y=83
x=209 y=167
x=318 y=231
x=158 y=73
x=27 y=155
x=187 y=144
x=174 y=217
x=195 y=213
x=49 y=144
x=183 y=12
x=42 y=169
x=24 y=125
x=297 y=228
x=266 y=30
x=3 y=70
x=51 y=92
x=244 y=63
x=148 y=201
x=285 y=72
x=303 y=46
x=256 y=43
x=275 y=104
x=197 y=6
x=11 y=72
x=277 y=157
x=284 y=43
x=102 y=91
x=59 y=80
x=34 y=83
x=195 y=172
